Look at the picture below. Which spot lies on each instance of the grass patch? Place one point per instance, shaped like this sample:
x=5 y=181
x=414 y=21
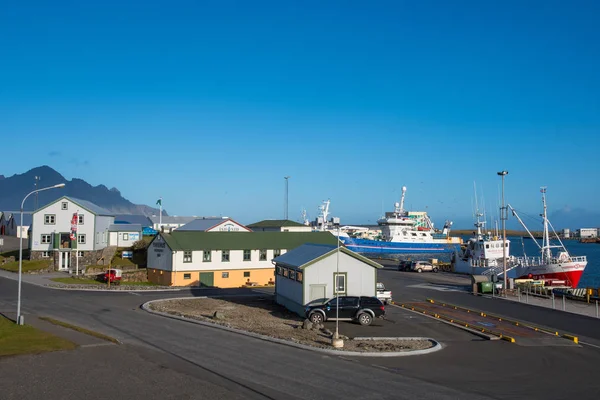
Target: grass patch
x=16 y=339
x=28 y=265
x=75 y=281
x=80 y=329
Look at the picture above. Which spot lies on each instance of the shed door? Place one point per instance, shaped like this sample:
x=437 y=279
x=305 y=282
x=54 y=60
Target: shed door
x=207 y=279
x=317 y=292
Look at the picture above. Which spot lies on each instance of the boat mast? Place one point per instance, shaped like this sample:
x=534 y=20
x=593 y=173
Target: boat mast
x=401 y=209
x=514 y=213
x=546 y=240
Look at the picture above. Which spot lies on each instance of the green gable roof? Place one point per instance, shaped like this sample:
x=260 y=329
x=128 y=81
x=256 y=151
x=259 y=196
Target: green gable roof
x=191 y=240
x=274 y=223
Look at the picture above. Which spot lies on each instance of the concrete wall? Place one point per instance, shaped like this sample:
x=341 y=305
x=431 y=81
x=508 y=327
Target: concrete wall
x=234 y=279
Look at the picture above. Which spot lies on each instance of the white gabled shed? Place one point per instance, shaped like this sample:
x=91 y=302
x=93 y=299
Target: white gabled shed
x=313 y=273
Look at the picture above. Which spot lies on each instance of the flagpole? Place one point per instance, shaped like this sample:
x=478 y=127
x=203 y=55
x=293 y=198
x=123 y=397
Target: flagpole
x=160 y=215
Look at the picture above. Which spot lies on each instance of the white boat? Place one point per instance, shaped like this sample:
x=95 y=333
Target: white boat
x=322 y=224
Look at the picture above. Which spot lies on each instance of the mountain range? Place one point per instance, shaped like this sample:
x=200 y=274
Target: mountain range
x=14 y=188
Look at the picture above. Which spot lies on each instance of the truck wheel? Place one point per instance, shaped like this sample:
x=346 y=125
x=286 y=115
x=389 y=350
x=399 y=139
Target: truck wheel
x=365 y=319
x=316 y=318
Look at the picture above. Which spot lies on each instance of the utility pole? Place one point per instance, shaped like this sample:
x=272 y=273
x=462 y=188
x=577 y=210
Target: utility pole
x=503 y=217
x=285 y=210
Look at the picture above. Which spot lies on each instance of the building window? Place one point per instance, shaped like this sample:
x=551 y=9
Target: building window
x=285 y=272
x=276 y=253
x=80 y=254
x=49 y=219
x=487 y=246
x=299 y=276
x=80 y=219
x=262 y=255
x=340 y=282
x=64 y=205
x=206 y=256
x=45 y=254
x=246 y=274
x=126 y=236
x=187 y=256
x=81 y=239
x=292 y=275
x=224 y=275
x=187 y=276
x=279 y=270
x=225 y=256
x=46 y=239
x=247 y=255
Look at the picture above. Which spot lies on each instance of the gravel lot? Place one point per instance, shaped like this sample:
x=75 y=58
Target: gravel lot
x=263 y=316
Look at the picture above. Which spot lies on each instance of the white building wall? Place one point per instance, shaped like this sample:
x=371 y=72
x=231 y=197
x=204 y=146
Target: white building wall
x=588 y=232
x=236 y=261
x=124 y=239
x=229 y=226
x=62 y=225
x=361 y=278
x=101 y=231
x=296 y=229
x=160 y=255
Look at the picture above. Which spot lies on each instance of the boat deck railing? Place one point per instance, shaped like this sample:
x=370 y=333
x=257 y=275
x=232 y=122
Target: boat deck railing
x=536 y=261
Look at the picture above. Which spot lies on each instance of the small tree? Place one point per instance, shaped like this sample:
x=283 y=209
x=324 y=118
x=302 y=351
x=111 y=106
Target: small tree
x=140 y=245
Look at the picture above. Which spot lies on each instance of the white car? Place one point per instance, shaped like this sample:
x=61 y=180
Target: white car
x=423 y=266
x=385 y=296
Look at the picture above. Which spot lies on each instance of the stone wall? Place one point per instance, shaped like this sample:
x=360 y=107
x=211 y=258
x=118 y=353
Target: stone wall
x=135 y=276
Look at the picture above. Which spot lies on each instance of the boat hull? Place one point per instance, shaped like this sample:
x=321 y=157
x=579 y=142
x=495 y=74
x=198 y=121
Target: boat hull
x=383 y=247
x=569 y=272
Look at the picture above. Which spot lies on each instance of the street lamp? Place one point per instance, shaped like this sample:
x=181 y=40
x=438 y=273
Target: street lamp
x=504 y=287
x=20 y=319
x=336 y=341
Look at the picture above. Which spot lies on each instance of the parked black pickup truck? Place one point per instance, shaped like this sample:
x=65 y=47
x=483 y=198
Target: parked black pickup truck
x=362 y=309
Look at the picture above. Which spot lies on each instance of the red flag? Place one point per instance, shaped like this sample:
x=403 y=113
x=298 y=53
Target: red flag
x=74 y=226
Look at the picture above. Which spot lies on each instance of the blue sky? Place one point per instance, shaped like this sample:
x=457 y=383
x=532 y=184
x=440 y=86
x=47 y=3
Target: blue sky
x=210 y=104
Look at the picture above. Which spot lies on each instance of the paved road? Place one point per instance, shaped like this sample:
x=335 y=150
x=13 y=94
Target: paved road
x=226 y=363
x=255 y=367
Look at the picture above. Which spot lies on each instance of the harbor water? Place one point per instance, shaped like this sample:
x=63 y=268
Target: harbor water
x=526 y=246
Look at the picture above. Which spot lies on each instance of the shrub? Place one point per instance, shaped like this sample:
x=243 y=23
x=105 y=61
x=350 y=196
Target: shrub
x=140 y=245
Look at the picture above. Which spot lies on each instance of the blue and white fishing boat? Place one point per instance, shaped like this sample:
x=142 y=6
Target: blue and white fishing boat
x=405 y=232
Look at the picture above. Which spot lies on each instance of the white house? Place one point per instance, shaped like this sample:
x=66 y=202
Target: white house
x=124 y=235
x=51 y=232
x=214 y=224
x=14 y=227
x=313 y=273
x=222 y=259
x=279 y=225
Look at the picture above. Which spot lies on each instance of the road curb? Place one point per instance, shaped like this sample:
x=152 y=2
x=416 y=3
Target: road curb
x=437 y=346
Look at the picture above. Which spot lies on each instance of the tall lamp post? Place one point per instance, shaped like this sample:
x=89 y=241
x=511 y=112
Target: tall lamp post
x=336 y=341
x=20 y=319
x=285 y=211
x=503 y=209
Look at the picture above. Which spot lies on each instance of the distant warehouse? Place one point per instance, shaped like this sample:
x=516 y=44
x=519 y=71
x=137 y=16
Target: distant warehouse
x=587 y=232
x=222 y=259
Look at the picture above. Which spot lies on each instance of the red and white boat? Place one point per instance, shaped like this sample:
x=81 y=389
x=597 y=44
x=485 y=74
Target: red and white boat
x=484 y=255
x=556 y=267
